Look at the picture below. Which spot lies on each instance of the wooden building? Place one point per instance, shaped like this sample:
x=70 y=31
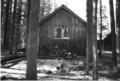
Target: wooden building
x=65 y=29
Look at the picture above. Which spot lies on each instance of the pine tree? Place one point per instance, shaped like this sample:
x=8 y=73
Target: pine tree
x=101 y=30
x=89 y=33
x=113 y=32
x=45 y=8
x=13 y=27
x=6 y=24
x=32 y=39
x=118 y=25
x=94 y=40
x=91 y=48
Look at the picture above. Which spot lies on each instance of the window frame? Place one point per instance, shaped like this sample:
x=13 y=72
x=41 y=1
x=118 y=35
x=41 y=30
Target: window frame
x=62 y=33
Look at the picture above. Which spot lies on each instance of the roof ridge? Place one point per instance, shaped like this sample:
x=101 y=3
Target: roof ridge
x=57 y=10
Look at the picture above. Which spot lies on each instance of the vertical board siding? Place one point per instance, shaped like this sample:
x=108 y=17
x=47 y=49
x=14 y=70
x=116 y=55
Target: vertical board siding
x=64 y=19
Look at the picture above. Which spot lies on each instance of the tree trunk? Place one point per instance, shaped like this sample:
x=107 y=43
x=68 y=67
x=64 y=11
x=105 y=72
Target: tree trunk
x=94 y=40
x=118 y=25
x=6 y=27
x=32 y=39
x=13 y=28
x=23 y=26
x=17 y=25
x=112 y=19
x=89 y=34
x=91 y=48
x=100 y=45
x=0 y=24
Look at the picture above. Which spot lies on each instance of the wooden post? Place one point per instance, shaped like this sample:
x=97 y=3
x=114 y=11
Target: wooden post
x=32 y=39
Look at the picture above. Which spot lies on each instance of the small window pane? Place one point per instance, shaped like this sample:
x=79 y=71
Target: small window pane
x=66 y=32
x=61 y=33
x=58 y=32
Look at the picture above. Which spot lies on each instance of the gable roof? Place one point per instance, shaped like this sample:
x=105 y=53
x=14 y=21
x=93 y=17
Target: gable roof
x=66 y=9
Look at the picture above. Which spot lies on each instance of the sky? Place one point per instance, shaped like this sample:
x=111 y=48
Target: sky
x=79 y=7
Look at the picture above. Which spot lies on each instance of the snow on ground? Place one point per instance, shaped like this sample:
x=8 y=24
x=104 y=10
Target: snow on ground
x=44 y=67
x=47 y=69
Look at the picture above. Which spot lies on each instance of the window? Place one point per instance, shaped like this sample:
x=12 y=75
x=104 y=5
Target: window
x=61 y=33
